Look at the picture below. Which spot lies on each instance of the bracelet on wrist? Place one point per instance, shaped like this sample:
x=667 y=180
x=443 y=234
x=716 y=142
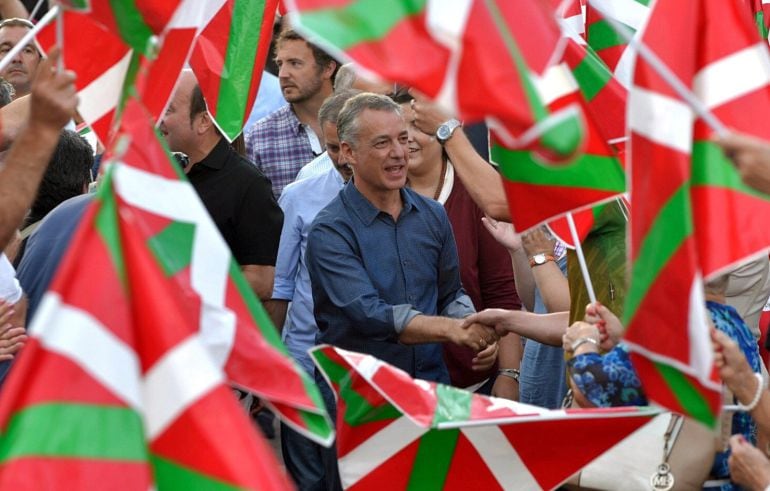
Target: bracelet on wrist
x=757 y=395
x=581 y=341
x=513 y=373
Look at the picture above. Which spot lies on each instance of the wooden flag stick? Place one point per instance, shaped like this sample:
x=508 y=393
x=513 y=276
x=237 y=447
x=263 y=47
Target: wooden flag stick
x=665 y=72
x=28 y=37
x=581 y=258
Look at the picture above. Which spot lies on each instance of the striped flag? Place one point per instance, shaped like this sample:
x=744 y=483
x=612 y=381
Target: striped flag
x=698 y=218
x=157 y=78
x=475 y=55
x=102 y=62
x=115 y=389
x=760 y=11
x=194 y=257
x=137 y=22
x=228 y=59
x=608 y=44
x=538 y=191
x=395 y=432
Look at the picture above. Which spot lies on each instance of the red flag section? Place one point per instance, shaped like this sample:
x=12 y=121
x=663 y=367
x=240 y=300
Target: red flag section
x=398 y=433
x=118 y=384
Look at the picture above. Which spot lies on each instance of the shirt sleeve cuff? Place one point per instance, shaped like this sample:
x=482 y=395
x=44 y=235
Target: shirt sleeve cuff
x=403 y=315
x=460 y=307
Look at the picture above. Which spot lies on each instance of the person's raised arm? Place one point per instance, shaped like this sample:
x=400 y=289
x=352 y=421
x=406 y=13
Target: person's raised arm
x=480 y=179
x=53 y=101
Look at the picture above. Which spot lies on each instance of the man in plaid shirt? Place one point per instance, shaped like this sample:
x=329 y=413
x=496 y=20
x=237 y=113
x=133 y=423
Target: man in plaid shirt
x=282 y=142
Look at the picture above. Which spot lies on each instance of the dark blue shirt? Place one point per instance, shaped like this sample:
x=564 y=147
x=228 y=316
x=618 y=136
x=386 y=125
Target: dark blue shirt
x=371 y=275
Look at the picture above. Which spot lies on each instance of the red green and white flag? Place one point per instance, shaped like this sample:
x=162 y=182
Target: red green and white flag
x=137 y=22
x=157 y=78
x=538 y=190
x=693 y=216
x=585 y=221
x=115 y=389
x=100 y=60
x=475 y=55
x=395 y=432
x=608 y=44
x=195 y=258
x=228 y=58
x=760 y=11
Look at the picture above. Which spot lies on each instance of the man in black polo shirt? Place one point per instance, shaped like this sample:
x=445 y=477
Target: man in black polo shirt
x=236 y=194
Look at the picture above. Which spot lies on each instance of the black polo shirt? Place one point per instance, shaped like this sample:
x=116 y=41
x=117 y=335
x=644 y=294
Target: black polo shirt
x=240 y=200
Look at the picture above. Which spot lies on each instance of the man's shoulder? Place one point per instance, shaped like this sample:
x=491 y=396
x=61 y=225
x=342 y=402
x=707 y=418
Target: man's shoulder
x=334 y=214
x=423 y=203
x=299 y=187
x=242 y=169
x=276 y=119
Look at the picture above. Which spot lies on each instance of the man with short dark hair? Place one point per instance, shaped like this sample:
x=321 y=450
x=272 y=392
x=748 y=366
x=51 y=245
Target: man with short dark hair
x=282 y=142
x=382 y=259
x=237 y=196
x=21 y=71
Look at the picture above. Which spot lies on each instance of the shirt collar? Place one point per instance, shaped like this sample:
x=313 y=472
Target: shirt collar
x=217 y=156
x=365 y=210
x=293 y=121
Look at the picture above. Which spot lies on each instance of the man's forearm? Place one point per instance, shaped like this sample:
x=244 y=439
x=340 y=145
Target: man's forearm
x=20 y=177
x=428 y=329
x=276 y=309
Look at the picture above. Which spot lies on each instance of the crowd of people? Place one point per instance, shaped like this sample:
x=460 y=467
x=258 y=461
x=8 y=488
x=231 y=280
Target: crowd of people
x=364 y=216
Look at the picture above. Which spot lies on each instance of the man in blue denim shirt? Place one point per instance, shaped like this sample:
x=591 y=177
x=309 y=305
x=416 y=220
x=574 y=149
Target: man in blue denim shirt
x=382 y=259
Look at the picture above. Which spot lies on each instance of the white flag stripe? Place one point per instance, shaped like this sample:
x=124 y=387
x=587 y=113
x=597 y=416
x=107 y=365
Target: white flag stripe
x=378 y=449
x=660 y=118
x=556 y=82
x=701 y=350
x=446 y=21
x=102 y=95
x=209 y=267
x=195 y=13
x=629 y=12
x=733 y=76
x=181 y=377
x=76 y=334
x=501 y=458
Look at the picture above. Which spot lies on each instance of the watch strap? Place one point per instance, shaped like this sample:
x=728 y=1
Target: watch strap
x=548 y=257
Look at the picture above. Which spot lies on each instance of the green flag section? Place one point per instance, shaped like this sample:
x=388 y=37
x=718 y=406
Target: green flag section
x=228 y=58
x=698 y=219
x=394 y=432
x=760 y=11
x=605 y=97
x=475 y=58
x=539 y=191
x=194 y=257
x=115 y=389
x=137 y=22
x=606 y=42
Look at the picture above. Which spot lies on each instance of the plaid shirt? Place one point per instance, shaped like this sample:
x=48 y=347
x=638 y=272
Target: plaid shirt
x=279 y=146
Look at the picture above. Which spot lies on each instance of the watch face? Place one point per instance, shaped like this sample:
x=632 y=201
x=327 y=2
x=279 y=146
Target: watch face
x=539 y=258
x=443 y=132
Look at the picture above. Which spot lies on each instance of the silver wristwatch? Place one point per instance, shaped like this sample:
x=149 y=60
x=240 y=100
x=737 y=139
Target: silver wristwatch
x=446 y=130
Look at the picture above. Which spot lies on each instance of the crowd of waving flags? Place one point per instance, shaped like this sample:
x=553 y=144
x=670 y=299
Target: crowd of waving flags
x=122 y=390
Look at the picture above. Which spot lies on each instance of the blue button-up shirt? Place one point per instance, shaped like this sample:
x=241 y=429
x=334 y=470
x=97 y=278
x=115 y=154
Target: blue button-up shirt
x=372 y=275
x=300 y=201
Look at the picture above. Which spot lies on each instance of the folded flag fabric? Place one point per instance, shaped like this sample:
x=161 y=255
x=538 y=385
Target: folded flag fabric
x=394 y=432
x=475 y=57
x=115 y=389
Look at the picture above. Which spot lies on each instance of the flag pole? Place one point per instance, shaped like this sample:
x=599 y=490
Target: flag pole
x=35 y=9
x=665 y=72
x=581 y=258
x=60 y=38
x=28 y=37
